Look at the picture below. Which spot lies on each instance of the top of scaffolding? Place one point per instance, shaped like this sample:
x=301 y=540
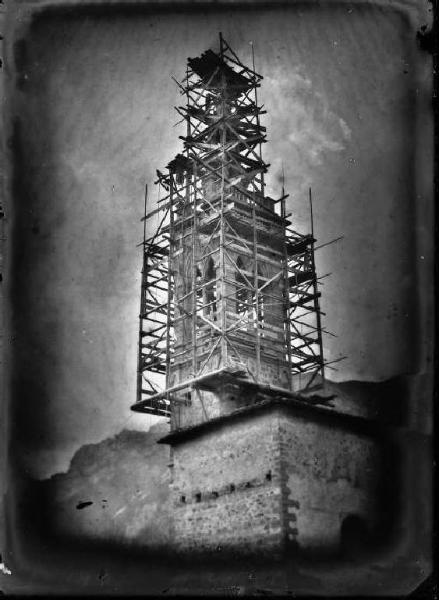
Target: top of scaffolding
x=222 y=116
x=214 y=72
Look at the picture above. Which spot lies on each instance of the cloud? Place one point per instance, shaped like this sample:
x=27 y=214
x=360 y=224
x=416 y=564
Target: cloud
x=308 y=130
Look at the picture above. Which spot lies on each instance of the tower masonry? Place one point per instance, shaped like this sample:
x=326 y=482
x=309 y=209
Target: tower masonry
x=262 y=461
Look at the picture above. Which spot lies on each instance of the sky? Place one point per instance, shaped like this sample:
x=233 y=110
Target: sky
x=347 y=97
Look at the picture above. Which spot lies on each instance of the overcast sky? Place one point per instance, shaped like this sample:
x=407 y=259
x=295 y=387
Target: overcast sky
x=342 y=87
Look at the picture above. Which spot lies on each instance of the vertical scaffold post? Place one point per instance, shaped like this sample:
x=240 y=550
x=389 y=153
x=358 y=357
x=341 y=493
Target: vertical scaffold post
x=194 y=274
x=142 y=293
x=316 y=294
x=222 y=286
x=286 y=293
x=256 y=295
x=258 y=122
x=170 y=295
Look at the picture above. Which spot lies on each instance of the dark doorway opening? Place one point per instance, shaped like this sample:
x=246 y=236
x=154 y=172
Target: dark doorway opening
x=354 y=537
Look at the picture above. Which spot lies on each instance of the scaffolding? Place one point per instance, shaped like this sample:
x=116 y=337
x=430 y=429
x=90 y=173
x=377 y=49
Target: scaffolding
x=229 y=289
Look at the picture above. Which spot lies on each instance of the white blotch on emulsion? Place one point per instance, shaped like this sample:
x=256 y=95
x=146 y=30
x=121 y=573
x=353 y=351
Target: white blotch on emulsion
x=4 y=569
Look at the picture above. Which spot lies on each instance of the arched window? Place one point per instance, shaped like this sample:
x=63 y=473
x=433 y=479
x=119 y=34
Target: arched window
x=246 y=298
x=199 y=290
x=258 y=318
x=243 y=295
x=210 y=289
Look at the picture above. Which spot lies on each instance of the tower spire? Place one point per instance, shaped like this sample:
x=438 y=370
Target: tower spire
x=226 y=279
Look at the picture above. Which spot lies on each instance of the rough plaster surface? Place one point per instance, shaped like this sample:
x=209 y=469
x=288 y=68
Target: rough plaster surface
x=330 y=474
x=271 y=479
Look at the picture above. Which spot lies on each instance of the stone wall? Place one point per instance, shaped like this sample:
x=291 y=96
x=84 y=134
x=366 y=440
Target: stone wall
x=273 y=371
x=273 y=477
x=198 y=406
x=226 y=487
x=329 y=473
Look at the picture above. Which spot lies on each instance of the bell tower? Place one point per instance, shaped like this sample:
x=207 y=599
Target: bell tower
x=230 y=319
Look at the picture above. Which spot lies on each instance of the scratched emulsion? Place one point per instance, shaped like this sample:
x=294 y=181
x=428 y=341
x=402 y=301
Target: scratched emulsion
x=346 y=90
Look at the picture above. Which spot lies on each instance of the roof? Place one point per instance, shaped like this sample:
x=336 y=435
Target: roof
x=297 y=404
